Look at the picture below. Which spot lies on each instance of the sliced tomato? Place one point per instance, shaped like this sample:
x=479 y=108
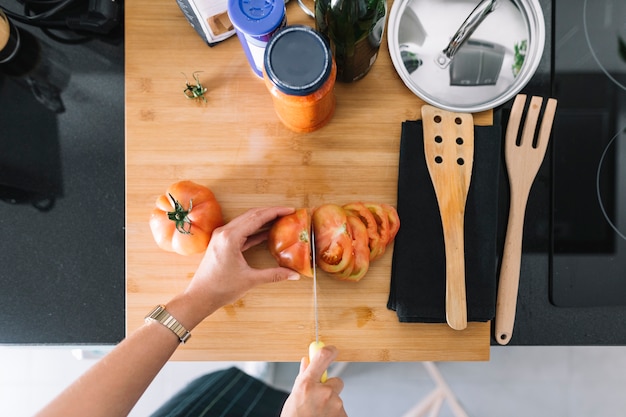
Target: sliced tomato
x=394 y=220
x=289 y=241
x=333 y=242
x=382 y=224
x=360 y=247
x=365 y=215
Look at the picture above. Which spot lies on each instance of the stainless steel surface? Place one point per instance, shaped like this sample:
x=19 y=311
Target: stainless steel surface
x=317 y=322
x=162 y=316
x=305 y=9
x=465 y=31
x=486 y=71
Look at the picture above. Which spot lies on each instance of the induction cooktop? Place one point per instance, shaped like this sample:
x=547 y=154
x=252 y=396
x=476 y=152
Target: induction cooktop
x=589 y=154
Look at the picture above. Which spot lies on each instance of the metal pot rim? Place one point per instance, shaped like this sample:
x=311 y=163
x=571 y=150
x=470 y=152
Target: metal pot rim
x=434 y=84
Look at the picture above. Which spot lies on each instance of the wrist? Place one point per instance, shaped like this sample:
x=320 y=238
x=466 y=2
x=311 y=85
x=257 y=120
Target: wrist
x=187 y=310
x=160 y=315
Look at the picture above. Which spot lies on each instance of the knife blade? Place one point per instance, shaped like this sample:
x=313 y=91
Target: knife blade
x=316 y=345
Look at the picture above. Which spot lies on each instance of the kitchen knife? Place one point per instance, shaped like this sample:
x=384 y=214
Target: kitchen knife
x=316 y=345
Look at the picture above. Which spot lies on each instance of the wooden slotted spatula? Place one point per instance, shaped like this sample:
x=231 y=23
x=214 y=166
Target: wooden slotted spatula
x=523 y=159
x=449 y=153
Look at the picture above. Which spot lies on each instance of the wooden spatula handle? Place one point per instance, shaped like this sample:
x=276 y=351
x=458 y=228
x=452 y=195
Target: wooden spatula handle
x=456 y=301
x=510 y=271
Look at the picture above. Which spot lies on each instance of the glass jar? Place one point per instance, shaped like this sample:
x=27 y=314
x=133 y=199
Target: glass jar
x=300 y=73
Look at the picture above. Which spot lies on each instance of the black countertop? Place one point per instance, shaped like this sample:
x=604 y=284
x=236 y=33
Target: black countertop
x=62 y=140
x=63 y=263
x=538 y=320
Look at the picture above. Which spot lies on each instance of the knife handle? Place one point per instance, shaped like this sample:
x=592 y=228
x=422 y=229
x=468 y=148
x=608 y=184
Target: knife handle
x=315 y=347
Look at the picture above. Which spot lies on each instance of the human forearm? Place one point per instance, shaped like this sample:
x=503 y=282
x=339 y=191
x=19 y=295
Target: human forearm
x=113 y=385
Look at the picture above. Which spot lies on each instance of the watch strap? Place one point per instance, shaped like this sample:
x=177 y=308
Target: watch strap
x=161 y=315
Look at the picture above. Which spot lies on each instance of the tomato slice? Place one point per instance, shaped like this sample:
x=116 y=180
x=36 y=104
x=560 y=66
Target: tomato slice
x=360 y=246
x=289 y=241
x=394 y=220
x=333 y=242
x=382 y=225
x=362 y=212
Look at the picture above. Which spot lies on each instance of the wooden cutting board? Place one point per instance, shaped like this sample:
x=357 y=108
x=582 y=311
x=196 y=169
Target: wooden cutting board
x=235 y=145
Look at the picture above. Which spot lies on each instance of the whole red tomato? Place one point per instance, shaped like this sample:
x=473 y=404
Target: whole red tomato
x=184 y=218
x=289 y=241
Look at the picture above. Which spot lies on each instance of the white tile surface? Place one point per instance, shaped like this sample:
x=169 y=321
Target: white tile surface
x=30 y=377
x=517 y=382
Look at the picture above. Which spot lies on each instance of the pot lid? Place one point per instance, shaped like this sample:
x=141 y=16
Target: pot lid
x=465 y=55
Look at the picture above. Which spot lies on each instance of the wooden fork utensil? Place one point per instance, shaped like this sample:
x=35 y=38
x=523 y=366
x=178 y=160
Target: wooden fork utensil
x=523 y=158
x=449 y=153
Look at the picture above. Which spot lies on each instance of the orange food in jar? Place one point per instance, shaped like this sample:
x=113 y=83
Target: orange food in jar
x=299 y=72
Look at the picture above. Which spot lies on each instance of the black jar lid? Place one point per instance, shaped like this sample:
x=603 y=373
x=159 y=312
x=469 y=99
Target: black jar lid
x=297 y=60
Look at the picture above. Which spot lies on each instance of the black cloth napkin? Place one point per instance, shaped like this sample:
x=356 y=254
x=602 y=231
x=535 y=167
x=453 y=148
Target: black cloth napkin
x=417 y=291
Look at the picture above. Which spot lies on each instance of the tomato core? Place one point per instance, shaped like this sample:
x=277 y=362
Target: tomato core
x=304 y=236
x=333 y=254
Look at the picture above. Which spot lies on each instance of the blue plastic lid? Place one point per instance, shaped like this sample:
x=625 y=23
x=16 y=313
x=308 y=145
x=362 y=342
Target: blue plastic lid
x=298 y=60
x=256 y=17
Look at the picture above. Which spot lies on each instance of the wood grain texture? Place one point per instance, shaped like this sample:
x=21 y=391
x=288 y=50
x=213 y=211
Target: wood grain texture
x=523 y=160
x=235 y=145
x=448 y=139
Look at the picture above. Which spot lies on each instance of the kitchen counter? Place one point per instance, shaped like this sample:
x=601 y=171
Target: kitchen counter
x=58 y=294
x=235 y=145
x=254 y=133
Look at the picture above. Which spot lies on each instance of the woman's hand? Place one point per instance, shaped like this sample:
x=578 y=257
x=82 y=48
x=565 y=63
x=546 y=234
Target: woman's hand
x=224 y=275
x=312 y=398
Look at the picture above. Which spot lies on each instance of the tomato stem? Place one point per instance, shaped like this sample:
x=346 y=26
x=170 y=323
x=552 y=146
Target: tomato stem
x=180 y=216
x=304 y=236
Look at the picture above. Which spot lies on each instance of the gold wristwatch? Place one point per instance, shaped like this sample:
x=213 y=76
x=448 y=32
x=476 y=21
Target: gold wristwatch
x=160 y=314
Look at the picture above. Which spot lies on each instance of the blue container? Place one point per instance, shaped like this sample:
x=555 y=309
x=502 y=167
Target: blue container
x=255 y=22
